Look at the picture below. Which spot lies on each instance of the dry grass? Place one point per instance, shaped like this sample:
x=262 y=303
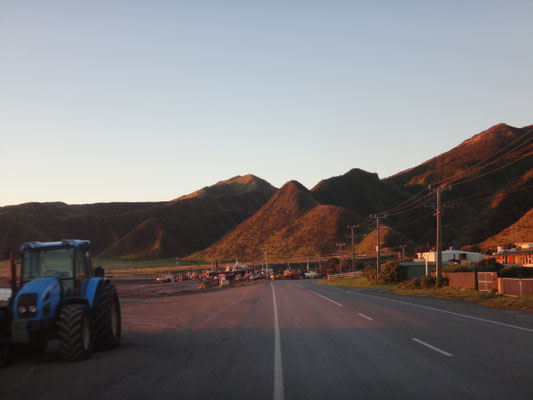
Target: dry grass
x=483 y=298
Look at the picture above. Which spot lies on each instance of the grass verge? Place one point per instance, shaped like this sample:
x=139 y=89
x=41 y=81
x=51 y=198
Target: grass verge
x=360 y=282
x=483 y=298
x=447 y=293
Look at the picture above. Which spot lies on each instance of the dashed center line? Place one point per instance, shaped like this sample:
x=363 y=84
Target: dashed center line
x=333 y=301
x=432 y=347
x=365 y=316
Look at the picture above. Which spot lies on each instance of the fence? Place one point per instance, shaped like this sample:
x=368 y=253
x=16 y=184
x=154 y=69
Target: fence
x=487 y=281
x=346 y=275
x=465 y=280
x=516 y=287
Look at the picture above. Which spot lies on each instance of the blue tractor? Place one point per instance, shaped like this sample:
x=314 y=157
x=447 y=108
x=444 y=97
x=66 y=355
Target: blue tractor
x=58 y=297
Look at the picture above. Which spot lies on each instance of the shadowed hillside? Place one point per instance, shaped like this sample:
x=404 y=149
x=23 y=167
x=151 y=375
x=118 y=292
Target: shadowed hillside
x=360 y=191
x=142 y=230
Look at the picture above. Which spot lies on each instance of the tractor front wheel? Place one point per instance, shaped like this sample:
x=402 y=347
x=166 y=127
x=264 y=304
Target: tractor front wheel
x=75 y=332
x=107 y=320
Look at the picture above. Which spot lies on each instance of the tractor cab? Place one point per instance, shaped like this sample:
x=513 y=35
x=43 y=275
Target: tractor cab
x=68 y=261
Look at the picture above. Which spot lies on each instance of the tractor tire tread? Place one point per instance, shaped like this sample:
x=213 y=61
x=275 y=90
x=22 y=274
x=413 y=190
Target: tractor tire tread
x=103 y=330
x=70 y=333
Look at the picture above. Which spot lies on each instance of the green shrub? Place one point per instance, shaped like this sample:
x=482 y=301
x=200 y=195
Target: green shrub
x=427 y=282
x=392 y=272
x=487 y=265
x=516 y=272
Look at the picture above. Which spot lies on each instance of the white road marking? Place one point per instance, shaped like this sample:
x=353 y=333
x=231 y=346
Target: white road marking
x=447 y=312
x=300 y=286
x=364 y=316
x=432 y=347
x=318 y=294
x=278 y=370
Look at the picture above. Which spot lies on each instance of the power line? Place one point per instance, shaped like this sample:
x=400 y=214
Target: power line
x=494 y=170
x=410 y=223
x=478 y=167
x=460 y=202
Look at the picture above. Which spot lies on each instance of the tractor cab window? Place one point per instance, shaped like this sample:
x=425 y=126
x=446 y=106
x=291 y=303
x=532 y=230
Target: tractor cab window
x=82 y=267
x=47 y=263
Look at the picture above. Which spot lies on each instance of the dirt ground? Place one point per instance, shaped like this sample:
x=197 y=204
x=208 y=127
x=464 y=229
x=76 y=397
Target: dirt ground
x=168 y=305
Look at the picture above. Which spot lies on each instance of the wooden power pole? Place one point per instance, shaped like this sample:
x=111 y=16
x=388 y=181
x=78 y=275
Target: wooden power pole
x=340 y=246
x=438 y=214
x=378 y=247
x=351 y=227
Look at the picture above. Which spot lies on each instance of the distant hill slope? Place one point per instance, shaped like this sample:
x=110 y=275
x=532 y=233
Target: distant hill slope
x=360 y=191
x=142 y=230
x=492 y=175
x=492 y=180
x=236 y=185
x=291 y=224
x=520 y=231
x=484 y=145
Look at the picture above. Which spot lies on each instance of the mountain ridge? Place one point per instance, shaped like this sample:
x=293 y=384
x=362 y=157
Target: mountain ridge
x=491 y=191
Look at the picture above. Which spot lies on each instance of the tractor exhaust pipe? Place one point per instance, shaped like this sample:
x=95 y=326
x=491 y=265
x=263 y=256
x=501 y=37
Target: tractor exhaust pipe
x=13 y=275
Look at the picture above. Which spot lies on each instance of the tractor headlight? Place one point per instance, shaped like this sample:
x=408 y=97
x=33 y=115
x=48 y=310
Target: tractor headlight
x=32 y=309
x=21 y=310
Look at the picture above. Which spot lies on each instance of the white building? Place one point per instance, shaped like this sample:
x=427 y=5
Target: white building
x=451 y=256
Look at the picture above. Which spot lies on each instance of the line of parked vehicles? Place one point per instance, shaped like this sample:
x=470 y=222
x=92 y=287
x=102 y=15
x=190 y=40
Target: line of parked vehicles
x=232 y=274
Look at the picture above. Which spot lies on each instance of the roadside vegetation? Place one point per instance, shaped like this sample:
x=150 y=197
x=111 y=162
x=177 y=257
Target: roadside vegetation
x=361 y=282
x=484 y=298
x=393 y=278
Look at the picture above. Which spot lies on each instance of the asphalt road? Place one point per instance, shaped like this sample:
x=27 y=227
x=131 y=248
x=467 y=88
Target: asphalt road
x=294 y=340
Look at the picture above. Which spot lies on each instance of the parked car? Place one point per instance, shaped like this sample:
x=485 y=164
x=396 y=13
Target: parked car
x=164 y=278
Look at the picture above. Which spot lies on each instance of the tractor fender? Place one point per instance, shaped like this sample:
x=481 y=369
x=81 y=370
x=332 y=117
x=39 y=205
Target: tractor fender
x=90 y=288
x=46 y=292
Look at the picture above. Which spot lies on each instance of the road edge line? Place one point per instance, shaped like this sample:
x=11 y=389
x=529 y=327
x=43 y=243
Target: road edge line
x=278 y=366
x=445 y=311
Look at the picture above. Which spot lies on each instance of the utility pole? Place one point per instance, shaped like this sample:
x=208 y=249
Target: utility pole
x=352 y=227
x=378 y=250
x=438 y=214
x=403 y=246
x=266 y=257
x=340 y=246
x=516 y=228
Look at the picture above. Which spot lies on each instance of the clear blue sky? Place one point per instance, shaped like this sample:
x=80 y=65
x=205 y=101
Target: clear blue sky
x=149 y=100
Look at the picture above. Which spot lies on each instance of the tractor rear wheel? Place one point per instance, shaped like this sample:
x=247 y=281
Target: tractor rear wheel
x=107 y=320
x=75 y=332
